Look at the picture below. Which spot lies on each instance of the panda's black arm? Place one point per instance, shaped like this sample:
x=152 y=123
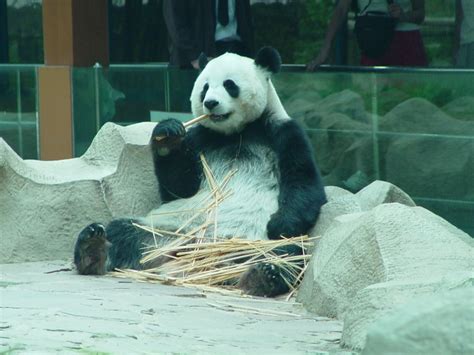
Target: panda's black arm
x=178 y=172
x=301 y=188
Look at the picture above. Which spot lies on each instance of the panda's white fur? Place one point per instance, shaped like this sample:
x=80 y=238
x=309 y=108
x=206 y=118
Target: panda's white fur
x=257 y=93
x=252 y=198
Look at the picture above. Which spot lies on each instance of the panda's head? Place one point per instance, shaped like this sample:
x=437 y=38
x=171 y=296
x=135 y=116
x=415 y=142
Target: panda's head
x=234 y=90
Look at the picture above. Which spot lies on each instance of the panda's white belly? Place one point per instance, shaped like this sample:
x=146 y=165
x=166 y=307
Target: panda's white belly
x=251 y=197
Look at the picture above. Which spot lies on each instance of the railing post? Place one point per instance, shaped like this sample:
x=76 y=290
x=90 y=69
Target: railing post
x=19 y=110
x=375 y=126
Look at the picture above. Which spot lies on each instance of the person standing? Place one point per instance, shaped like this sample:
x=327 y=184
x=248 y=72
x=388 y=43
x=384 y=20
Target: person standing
x=406 y=48
x=464 y=34
x=212 y=27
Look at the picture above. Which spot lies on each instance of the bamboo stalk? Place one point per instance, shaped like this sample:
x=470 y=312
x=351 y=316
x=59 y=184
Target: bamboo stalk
x=187 y=124
x=203 y=262
x=195 y=120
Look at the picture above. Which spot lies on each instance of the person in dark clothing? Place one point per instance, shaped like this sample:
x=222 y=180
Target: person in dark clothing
x=212 y=27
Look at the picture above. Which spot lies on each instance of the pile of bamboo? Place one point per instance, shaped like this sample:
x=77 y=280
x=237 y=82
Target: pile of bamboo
x=221 y=262
x=208 y=263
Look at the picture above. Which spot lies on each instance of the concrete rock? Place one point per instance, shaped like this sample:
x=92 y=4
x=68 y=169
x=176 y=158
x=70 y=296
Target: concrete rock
x=333 y=193
x=461 y=108
x=421 y=116
x=436 y=164
x=346 y=102
x=439 y=324
x=390 y=242
x=432 y=167
x=339 y=155
x=46 y=203
x=380 y=192
x=302 y=106
x=340 y=202
x=390 y=300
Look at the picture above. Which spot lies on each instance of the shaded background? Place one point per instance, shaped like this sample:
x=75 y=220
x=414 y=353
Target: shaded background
x=137 y=32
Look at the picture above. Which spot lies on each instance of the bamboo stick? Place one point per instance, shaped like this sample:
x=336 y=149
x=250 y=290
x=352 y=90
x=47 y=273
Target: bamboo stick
x=187 y=124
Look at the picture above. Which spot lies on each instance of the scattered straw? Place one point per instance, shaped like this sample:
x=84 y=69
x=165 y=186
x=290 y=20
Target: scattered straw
x=213 y=264
x=245 y=309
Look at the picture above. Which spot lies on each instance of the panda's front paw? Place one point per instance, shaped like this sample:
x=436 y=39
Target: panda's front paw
x=264 y=279
x=282 y=225
x=90 y=252
x=167 y=136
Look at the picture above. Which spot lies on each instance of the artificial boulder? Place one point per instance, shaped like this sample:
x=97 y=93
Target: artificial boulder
x=461 y=108
x=390 y=242
x=380 y=192
x=46 y=203
x=432 y=167
x=341 y=145
x=418 y=115
x=387 y=299
x=341 y=202
x=347 y=102
x=438 y=324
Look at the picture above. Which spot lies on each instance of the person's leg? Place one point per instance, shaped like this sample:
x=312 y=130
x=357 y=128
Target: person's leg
x=407 y=49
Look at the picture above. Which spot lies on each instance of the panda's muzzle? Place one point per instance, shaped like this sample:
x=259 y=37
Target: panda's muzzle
x=216 y=118
x=211 y=105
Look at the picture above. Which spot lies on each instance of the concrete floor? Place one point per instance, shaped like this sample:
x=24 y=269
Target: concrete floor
x=62 y=312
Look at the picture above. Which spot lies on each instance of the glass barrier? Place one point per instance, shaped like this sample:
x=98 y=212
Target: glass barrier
x=21 y=31
x=19 y=109
x=413 y=128
x=126 y=94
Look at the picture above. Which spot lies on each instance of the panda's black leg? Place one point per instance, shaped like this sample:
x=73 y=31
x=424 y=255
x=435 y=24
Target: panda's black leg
x=127 y=243
x=267 y=279
x=90 y=252
x=119 y=245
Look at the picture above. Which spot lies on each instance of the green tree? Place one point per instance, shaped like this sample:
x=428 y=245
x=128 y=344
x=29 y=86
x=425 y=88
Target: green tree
x=315 y=16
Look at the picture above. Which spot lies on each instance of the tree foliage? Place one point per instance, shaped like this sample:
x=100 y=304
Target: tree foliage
x=295 y=28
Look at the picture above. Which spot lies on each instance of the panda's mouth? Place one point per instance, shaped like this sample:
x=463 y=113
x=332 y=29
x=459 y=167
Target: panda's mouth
x=218 y=118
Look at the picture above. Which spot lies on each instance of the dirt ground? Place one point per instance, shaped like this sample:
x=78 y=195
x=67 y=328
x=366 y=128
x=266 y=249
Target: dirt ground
x=46 y=311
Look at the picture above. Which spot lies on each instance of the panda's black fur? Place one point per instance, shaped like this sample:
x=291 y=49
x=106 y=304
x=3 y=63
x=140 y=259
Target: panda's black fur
x=277 y=190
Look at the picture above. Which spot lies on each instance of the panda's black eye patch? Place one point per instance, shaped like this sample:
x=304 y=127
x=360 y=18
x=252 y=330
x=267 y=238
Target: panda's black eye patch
x=231 y=88
x=203 y=92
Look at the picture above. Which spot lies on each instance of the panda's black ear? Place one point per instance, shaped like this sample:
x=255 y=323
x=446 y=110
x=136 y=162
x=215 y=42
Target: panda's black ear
x=202 y=61
x=268 y=58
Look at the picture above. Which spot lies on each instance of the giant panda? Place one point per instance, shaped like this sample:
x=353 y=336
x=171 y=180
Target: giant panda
x=276 y=190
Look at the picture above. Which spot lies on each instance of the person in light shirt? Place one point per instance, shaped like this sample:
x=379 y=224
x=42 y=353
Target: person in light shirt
x=464 y=40
x=407 y=47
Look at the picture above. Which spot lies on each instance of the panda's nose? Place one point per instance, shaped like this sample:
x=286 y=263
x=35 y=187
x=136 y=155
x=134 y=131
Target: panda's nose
x=210 y=104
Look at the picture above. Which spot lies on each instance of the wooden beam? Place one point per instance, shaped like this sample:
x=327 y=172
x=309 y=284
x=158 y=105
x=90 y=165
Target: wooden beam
x=55 y=111
x=75 y=32
x=57 y=32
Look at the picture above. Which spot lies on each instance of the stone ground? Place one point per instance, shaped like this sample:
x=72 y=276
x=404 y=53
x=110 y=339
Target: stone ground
x=61 y=312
